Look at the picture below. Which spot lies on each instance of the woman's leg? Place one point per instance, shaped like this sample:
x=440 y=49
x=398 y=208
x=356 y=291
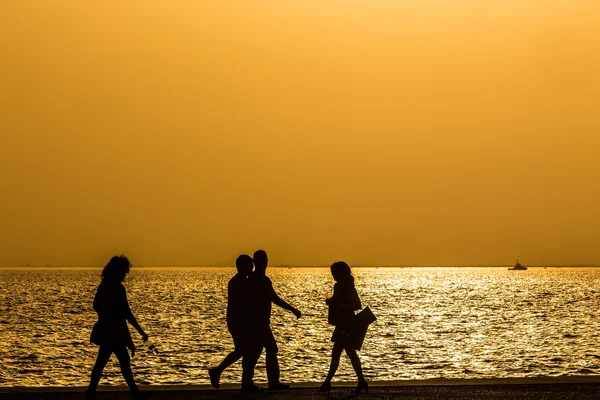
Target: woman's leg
x=125 y=363
x=103 y=357
x=356 y=364
x=336 y=353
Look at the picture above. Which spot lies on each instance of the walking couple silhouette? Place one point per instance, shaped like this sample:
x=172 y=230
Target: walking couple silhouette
x=250 y=296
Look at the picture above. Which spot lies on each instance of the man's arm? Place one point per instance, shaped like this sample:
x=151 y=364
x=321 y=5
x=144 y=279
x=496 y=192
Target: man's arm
x=283 y=304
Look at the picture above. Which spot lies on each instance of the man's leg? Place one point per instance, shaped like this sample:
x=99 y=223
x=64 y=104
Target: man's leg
x=236 y=354
x=251 y=350
x=271 y=351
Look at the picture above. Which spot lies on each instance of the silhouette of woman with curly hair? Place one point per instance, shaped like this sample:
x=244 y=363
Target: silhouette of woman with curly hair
x=111 y=332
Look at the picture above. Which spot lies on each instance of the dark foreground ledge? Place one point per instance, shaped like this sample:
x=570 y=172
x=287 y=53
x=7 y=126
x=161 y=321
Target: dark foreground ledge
x=560 y=388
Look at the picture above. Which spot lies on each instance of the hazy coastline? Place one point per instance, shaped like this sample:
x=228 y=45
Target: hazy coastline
x=309 y=266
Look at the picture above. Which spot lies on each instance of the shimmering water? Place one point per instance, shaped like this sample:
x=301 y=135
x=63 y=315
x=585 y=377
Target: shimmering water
x=433 y=323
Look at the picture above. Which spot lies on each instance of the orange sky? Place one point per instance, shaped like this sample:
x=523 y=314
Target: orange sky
x=378 y=132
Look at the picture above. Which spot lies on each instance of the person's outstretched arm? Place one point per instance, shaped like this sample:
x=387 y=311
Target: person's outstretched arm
x=284 y=304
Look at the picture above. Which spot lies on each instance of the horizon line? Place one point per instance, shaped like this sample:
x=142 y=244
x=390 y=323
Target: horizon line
x=318 y=266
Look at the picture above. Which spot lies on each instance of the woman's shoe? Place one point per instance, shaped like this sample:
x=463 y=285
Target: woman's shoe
x=215 y=377
x=325 y=388
x=364 y=385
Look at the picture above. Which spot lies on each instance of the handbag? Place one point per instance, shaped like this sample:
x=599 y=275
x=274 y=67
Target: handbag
x=362 y=320
x=365 y=317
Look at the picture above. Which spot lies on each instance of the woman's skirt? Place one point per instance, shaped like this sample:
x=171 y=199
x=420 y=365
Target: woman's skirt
x=349 y=337
x=111 y=334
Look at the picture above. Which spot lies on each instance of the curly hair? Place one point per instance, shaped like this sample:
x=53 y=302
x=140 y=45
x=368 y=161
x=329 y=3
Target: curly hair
x=117 y=268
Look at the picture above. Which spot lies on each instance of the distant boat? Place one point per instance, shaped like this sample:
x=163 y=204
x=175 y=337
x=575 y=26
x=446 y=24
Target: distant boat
x=518 y=267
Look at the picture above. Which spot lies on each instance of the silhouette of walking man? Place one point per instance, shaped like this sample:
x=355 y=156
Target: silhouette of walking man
x=111 y=332
x=236 y=296
x=260 y=296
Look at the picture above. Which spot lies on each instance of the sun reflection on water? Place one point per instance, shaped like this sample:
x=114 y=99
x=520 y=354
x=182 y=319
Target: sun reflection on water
x=432 y=323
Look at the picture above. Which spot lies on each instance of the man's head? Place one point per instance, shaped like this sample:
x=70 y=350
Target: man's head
x=260 y=260
x=244 y=264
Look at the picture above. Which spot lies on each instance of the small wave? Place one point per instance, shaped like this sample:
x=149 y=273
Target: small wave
x=184 y=365
x=586 y=371
x=469 y=371
x=30 y=371
x=431 y=366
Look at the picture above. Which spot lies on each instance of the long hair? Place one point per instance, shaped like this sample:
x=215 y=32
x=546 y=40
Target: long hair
x=341 y=272
x=117 y=268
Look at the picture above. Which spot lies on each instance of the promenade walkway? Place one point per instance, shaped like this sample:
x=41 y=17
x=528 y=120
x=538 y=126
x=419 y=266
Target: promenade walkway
x=563 y=388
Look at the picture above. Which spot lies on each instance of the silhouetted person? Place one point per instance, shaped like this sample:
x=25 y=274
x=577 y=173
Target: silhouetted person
x=236 y=296
x=257 y=326
x=342 y=305
x=111 y=332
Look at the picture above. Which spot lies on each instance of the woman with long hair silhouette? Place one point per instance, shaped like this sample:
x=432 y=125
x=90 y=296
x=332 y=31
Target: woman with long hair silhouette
x=111 y=332
x=345 y=337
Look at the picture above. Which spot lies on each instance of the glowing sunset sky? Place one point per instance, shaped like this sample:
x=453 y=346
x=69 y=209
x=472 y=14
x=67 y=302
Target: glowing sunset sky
x=378 y=132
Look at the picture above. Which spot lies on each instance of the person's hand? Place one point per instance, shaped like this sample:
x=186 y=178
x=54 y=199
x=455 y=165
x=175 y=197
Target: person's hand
x=144 y=337
x=297 y=313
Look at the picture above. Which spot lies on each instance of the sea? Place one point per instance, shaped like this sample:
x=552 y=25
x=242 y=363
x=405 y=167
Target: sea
x=431 y=323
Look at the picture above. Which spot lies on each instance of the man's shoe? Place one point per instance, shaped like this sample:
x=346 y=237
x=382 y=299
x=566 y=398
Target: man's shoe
x=215 y=377
x=251 y=389
x=278 y=386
